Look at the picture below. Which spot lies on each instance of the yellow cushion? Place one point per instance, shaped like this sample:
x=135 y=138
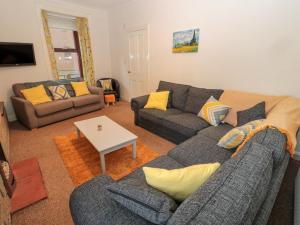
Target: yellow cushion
x=179 y=183
x=158 y=100
x=80 y=88
x=236 y=136
x=36 y=95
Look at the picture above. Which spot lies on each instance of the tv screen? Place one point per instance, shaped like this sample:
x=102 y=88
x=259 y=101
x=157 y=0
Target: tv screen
x=16 y=54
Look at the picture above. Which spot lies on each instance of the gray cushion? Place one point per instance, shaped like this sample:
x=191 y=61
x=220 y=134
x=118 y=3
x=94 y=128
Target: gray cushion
x=233 y=195
x=156 y=115
x=85 y=100
x=216 y=133
x=187 y=124
x=254 y=113
x=140 y=198
x=91 y=204
x=53 y=107
x=179 y=94
x=197 y=97
x=199 y=149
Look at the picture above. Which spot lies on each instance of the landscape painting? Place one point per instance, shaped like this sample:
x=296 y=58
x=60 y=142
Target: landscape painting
x=186 y=41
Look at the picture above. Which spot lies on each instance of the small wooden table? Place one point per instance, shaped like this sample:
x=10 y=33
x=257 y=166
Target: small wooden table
x=110 y=138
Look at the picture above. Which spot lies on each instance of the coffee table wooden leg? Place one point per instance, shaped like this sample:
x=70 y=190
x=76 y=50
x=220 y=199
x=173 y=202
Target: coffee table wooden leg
x=134 y=150
x=78 y=133
x=102 y=161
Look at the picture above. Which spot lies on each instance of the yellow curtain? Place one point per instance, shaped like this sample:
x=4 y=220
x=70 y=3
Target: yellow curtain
x=49 y=45
x=86 y=50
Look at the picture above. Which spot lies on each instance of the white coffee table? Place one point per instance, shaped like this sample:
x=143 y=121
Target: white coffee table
x=110 y=138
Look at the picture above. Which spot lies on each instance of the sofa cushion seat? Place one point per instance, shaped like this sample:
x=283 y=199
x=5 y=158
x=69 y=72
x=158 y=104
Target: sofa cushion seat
x=216 y=133
x=85 y=100
x=52 y=107
x=185 y=123
x=156 y=115
x=199 y=149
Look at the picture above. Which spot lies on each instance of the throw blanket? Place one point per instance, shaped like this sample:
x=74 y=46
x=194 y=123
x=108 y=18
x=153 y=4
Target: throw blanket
x=239 y=101
x=285 y=116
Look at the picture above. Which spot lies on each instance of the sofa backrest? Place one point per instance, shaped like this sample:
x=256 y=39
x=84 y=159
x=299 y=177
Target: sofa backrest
x=274 y=140
x=187 y=98
x=179 y=93
x=21 y=86
x=234 y=194
x=197 y=97
x=17 y=88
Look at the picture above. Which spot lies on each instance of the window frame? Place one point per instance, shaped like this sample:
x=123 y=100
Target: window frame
x=74 y=50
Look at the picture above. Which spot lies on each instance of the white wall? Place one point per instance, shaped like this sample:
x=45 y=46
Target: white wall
x=20 y=21
x=244 y=45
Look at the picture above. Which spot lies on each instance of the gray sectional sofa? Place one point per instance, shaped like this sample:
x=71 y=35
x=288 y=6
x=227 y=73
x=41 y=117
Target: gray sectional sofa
x=241 y=192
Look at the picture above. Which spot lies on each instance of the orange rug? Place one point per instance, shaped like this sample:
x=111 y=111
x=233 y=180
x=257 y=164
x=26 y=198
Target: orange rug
x=82 y=160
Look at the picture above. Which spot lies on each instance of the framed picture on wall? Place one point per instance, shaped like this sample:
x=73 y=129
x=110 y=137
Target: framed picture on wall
x=186 y=41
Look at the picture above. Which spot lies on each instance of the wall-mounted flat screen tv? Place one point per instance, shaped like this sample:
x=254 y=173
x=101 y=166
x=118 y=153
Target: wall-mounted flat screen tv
x=16 y=54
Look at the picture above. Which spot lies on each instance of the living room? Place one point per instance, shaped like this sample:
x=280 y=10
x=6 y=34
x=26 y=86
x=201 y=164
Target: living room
x=139 y=89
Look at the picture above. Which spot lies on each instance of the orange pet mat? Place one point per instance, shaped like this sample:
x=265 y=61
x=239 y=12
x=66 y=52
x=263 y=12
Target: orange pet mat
x=82 y=160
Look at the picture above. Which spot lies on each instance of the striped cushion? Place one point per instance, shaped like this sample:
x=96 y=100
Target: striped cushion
x=106 y=84
x=59 y=92
x=213 y=111
x=236 y=136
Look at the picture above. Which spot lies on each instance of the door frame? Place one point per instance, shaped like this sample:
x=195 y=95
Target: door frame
x=128 y=30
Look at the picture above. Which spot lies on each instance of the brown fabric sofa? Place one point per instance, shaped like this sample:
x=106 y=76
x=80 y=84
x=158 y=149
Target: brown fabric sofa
x=33 y=116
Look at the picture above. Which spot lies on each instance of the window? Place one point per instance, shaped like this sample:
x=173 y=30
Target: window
x=66 y=47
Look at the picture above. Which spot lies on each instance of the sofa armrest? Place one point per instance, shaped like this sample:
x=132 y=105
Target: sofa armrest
x=95 y=90
x=88 y=201
x=25 y=112
x=139 y=102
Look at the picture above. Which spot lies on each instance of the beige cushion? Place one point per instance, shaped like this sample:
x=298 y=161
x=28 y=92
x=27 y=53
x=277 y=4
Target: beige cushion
x=239 y=101
x=85 y=100
x=52 y=107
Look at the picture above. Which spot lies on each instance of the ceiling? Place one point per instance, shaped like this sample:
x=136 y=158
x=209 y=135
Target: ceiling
x=98 y=3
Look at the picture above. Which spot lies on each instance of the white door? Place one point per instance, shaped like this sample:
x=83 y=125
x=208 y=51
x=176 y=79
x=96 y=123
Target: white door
x=138 y=62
